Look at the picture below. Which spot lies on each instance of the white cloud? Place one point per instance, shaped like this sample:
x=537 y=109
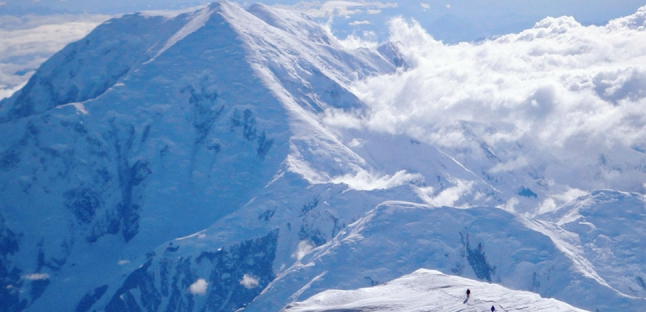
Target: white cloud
x=199 y=287
x=303 y=248
x=249 y=281
x=425 y=6
x=367 y=40
x=509 y=166
x=355 y=23
x=37 y=276
x=569 y=195
x=341 y=8
x=355 y=142
x=558 y=91
x=26 y=42
x=557 y=200
x=510 y=205
x=366 y=181
x=448 y=196
x=9 y=91
x=547 y=205
x=636 y=21
x=338 y=118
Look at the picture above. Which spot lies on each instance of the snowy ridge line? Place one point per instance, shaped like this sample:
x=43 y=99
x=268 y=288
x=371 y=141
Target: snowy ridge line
x=429 y=290
x=197 y=22
x=314 y=50
x=198 y=235
x=569 y=249
x=467 y=169
x=401 y=204
x=605 y=225
x=79 y=106
x=354 y=241
x=307 y=286
x=260 y=45
x=170 y=14
x=319 y=252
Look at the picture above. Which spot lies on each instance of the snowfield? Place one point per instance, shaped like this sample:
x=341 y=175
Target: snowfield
x=429 y=290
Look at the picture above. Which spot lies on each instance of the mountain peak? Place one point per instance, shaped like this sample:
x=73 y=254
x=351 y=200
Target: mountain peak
x=154 y=118
x=428 y=290
x=86 y=69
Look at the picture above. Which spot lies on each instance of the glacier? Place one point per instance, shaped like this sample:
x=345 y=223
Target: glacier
x=207 y=160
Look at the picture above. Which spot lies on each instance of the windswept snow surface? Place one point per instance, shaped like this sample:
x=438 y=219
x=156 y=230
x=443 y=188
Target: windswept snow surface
x=487 y=244
x=429 y=290
x=608 y=228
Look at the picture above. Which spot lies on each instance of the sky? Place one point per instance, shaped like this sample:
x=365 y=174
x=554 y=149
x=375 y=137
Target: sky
x=448 y=20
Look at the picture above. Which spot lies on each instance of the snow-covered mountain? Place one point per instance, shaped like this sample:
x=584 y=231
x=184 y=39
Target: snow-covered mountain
x=428 y=290
x=194 y=161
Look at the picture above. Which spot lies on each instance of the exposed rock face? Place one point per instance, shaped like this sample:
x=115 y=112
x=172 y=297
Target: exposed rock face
x=232 y=278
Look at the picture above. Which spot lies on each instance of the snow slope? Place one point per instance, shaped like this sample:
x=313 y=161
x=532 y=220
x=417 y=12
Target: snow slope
x=487 y=244
x=428 y=290
x=148 y=120
x=608 y=229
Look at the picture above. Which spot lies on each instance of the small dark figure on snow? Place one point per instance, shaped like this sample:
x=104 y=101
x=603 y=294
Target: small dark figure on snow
x=468 y=294
x=493 y=309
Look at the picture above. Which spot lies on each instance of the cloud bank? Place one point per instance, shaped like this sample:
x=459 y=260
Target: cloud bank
x=365 y=181
x=26 y=42
x=558 y=91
